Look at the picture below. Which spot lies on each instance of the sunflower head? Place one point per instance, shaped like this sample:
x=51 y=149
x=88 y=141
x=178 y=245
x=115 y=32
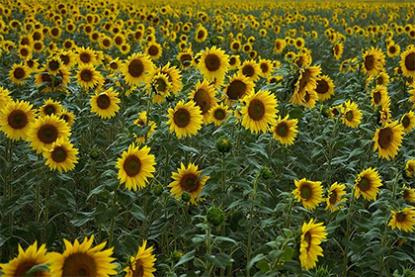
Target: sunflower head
x=61 y=156
x=335 y=197
x=312 y=235
x=309 y=193
x=16 y=119
x=285 y=130
x=213 y=63
x=137 y=69
x=185 y=119
x=105 y=104
x=367 y=184
x=403 y=220
x=142 y=264
x=408 y=62
x=388 y=140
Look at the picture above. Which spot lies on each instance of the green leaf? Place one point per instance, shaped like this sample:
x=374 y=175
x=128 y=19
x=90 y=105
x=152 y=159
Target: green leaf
x=186 y=258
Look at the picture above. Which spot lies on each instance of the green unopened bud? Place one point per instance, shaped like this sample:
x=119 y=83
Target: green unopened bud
x=177 y=254
x=186 y=197
x=94 y=153
x=266 y=172
x=223 y=144
x=215 y=216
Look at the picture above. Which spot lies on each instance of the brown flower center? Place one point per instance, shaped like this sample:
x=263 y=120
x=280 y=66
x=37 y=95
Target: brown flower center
x=202 y=100
x=248 y=70
x=236 y=89
x=306 y=192
x=103 y=101
x=85 y=57
x=364 y=184
x=385 y=137
x=25 y=266
x=189 y=182
x=400 y=217
x=406 y=121
x=132 y=165
x=377 y=97
x=349 y=115
x=212 y=62
x=322 y=86
x=86 y=75
x=136 y=68
x=410 y=61
x=304 y=79
x=47 y=133
x=139 y=269
x=53 y=65
x=333 y=197
x=79 y=264
x=49 y=109
x=282 y=129
x=19 y=73
x=181 y=117
x=17 y=119
x=153 y=50
x=256 y=109
x=219 y=114
x=59 y=154
x=369 y=62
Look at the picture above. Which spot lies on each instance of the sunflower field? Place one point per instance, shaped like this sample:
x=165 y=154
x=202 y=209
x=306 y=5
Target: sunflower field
x=207 y=138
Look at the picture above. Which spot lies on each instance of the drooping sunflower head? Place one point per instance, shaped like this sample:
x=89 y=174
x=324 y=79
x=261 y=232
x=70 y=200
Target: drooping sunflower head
x=143 y=122
x=135 y=167
x=238 y=87
x=218 y=114
x=137 y=69
x=367 y=184
x=338 y=50
x=379 y=95
x=82 y=259
x=105 y=104
x=61 y=156
x=285 y=130
x=88 y=77
x=373 y=61
x=188 y=179
x=279 y=45
x=324 y=88
x=312 y=235
x=204 y=97
x=351 y=114
x=185 y=58
x=142 y=264
x=26 y=260
x=403 y=220
x=335 y=197
x=16 y=119
x=185 y=119
x=410 y=168
x=213 y=63
x=408 y=194
x=309 y=193
x=259 y=111
x=306 y=83
x=388 y=140
x=408 y=62
x=46 y=130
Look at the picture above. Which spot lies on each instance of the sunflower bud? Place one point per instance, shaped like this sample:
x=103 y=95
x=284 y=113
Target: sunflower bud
x=215 y=216
x=177 y=255
x=223 y=144
x=266 y=172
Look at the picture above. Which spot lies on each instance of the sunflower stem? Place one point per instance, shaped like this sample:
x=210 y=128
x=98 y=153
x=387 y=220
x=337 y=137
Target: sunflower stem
x=251 y=222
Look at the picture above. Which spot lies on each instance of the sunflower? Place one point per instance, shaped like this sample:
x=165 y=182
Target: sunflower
x=407 y=62
x=367 y=184
x=381 y=79
x=259 y=111
x=160 y=86
x=81 y=259
x=351 y=114
x=379 y=95
x=105 y=104
x=185 y=58
x=285 y=130
x=408 y=121
x=188 y=179
x=238 y=87
x=50 y=107
x=46 y=130
x=312 y=235
x=408 y=194
x=309 y=193
x=185 y=119
x=373 y=61
x=265 y=67
x=403 y=220
x=201 y=34
x=86 y=56
x=393 y=50
x=16 y=119
x=145 y=124
x=68 y=117
x=19 y=73
x=335 y=197
x=279 y=45
x=388 y=140
x=142 y=264
x=5 y=97
x=204 y=97
x=324 y=88
x=218 y=114
x=234 y=62
x=250 y=69
x=338 y=51
x=61 y=156
x=26 y=260
x=154 y=50
x=306 y=82
x=137 y=69
x=174 y=77
x=410 y=168
x=213 y=63
x=88 y=77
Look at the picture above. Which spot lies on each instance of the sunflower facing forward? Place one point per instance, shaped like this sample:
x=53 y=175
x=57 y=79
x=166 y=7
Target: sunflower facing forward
x=142 y=264
x=46 y=130
x=367 y=184
x=388 y=140
x=312 y=235
x=81 y=259
x=373 y=61
x=25 y=260
x=408 y=62
x=403 y=220
x=408 y=121
x=137 y=69
x=351 y=114
x=285 y=130
x=88 y=77
x=218 y=114
x=259 y=111
x=188 y=179
x=16 y=119
x=309 y=193
x=135 y=167
x=213 y=63
x=105 y=104
x=324 y=88
x=61 y=156
x=185 y=119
